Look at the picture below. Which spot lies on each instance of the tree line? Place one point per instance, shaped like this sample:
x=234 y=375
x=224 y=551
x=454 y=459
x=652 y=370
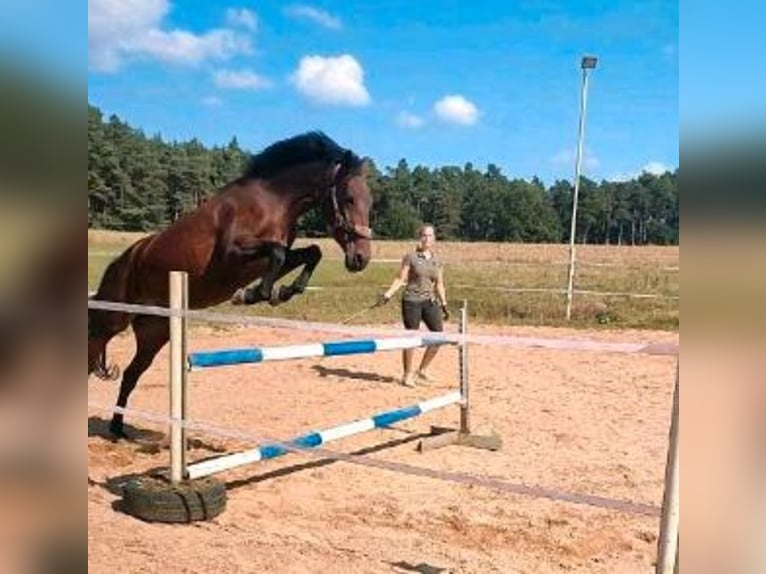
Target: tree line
x=140 y=183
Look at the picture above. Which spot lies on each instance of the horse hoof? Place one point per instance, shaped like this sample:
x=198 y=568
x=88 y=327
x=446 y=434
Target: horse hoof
x=238 y=298
x=275 y=298
x=117 y=431
x=286 y=293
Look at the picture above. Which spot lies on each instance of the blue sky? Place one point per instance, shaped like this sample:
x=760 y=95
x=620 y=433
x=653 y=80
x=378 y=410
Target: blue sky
x=723 y=94
x=437 y=83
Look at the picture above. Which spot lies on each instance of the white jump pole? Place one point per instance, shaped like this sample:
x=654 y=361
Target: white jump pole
x=463 y=436
x=318 y=438
x=178 y=303
x=465 y=411
x=667 y=543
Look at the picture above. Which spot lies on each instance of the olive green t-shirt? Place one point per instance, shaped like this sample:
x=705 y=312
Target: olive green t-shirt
x=421 y=281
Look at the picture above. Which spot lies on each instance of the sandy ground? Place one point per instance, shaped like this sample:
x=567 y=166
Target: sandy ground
x=582 y=422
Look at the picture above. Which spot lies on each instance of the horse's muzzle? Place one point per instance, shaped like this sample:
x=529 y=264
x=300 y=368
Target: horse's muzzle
x=356 y=261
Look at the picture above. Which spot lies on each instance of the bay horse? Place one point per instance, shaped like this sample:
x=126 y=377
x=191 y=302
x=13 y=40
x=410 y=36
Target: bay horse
x=242 y=233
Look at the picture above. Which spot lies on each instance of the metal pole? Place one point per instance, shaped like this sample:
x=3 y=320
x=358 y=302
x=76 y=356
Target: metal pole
x=667 y=543
x=578 y=169
x=465 y=410
x=178 y=303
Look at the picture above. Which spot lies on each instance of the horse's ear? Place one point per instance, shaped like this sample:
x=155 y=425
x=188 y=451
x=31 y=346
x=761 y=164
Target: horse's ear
x=365 y=170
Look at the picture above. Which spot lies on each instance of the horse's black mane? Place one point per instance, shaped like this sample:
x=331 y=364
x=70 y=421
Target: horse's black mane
x=305 y=148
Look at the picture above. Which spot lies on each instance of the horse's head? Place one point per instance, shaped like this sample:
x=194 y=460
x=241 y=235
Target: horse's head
x=348 y=210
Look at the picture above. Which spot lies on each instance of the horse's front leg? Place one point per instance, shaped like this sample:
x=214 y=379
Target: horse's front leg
x=309 y=257
x=264 y=290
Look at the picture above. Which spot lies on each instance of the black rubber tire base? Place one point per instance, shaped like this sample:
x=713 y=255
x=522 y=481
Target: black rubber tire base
x=156 y=500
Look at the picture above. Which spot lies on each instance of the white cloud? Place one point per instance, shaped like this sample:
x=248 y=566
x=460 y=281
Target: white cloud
x=110 y=21
x=456 y=109
x=331 y=80
x=408 y=120
x=240 y=80
x=182 y=47
x=123 y=29
x=567 y=158
x=321 y=17
x=242 y=17
x=655 y=168
x=212 y=101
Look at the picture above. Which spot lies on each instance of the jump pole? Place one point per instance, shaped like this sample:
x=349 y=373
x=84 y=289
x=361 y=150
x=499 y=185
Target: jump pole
x=181 y=363
x=463 y=436
x=249 y=355
x=315 y=439
x=667 y=542
x=179 y=302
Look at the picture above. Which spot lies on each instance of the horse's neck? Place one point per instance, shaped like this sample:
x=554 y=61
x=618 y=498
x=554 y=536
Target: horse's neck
x=303 y=188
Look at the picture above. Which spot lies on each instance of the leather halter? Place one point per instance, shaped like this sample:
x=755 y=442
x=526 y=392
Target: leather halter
x=340 y=221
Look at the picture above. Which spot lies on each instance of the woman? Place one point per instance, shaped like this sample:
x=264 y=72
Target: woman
x=424 y=299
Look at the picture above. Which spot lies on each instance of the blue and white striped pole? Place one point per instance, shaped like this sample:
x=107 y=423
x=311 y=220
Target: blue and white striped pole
x=315 y=439
x=207 y=359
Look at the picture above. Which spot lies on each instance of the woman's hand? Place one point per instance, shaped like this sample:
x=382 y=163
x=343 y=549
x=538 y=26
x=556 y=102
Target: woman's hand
x=382 y=299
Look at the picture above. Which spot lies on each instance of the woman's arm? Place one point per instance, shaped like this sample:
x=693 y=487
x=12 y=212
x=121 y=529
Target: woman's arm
x=441 y=292
x=399 y=281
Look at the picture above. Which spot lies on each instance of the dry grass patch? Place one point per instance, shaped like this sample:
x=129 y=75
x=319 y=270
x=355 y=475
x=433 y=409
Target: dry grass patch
x=504 y=283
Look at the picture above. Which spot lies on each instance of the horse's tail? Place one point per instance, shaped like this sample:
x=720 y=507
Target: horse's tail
x=98 y=337
x=115 y=286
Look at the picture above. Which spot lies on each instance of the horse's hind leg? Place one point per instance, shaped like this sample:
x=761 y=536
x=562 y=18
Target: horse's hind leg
x=151 y=335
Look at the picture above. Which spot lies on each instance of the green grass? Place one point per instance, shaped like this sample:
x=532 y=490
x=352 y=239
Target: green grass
x=342 y=294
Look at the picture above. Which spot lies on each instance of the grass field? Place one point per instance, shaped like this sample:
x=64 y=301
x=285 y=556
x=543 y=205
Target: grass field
x=489 y=276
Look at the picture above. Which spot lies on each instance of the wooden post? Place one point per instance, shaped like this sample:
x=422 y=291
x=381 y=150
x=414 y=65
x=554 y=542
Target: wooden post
x=667 y=542
x=441 y=437
x=178 y=303
x=465 y=411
